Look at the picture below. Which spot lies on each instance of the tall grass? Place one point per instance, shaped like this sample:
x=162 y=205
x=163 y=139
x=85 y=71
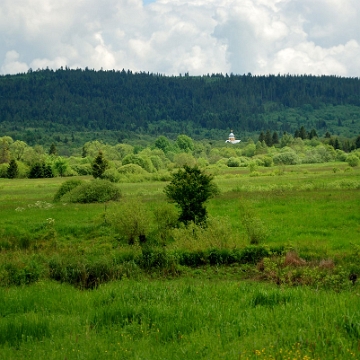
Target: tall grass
x=203 y=308
x=184 y=318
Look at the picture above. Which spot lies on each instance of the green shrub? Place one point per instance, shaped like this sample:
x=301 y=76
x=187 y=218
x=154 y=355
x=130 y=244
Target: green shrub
x=23 y=170
x=157 y=162
x=233 y=162
x=166 y=218
x=66 y=187
x=82 y=273
x=190 y=188
x=287 y=158
x=153 y=258
x=94 y=191
x=132 y=169
x=223 y=256
x=142 y=161
x=111 y=175
x=353 y=160
x=3 y=170
x=19 y=273
x=83 y=169
x=253 y=254
x=252 y=166
x=254 y=226
x=268 y=161
x=248 y=255
x=193 y=259
x=131 y=220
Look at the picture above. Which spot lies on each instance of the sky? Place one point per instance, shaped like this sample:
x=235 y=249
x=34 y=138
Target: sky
x=172 y=37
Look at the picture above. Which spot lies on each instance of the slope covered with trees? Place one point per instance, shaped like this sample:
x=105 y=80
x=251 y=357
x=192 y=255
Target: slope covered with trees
x=69 y=101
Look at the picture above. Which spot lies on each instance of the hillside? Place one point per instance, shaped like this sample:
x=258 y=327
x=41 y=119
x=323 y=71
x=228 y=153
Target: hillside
x=42 y=104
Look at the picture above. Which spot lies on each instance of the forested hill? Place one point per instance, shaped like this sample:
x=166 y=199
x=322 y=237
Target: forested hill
x=88 y=100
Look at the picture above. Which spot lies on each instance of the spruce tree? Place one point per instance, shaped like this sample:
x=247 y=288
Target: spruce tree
x=357 y=142
x=36 y=171
x=303 y=133
x=268 y=138
x=52 y=150
x=275 y=138
x=12 y=170
x=312 y=134
x=261 y=137
x=99 y=165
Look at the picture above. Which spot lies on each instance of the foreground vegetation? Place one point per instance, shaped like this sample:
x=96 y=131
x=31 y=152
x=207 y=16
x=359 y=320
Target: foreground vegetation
x=272 y=275
x=189 y=317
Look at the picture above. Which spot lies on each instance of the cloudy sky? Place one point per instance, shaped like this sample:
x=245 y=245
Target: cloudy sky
x=177 y=36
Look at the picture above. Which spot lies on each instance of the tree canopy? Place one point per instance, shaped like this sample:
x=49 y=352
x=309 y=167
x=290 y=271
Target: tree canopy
x=190 y=188
x=68 y=100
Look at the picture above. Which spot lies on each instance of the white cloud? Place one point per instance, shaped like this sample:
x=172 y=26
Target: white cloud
x=177 y=36
x=11 y=65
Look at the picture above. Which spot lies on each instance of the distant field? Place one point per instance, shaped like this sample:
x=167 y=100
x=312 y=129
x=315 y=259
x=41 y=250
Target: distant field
x=200 y=295
x=306 y=206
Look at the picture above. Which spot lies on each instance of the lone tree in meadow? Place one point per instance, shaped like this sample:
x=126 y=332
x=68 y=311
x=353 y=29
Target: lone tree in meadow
x=99 y=165
x=190 y=188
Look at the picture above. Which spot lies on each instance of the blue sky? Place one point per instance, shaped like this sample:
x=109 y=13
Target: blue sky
x=178 y=36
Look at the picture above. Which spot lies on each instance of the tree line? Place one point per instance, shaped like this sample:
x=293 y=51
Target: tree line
x=87 y=100
x=124 y=162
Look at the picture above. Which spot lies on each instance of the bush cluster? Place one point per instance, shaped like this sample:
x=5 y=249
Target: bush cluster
x=93 y=191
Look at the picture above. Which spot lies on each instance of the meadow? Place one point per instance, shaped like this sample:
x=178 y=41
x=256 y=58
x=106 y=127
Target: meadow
x=267 y=279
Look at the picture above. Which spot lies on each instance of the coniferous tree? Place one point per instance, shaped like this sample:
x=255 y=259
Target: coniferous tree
x=12 y=170
x=312 y=134
x=303 y=133
x=346 y=146
x=336 y=144
x=36 y=171
x=275 y=138
x=357 y=142
x=99 y=165
x=261 y=137
x=47 y=171
x=52 y=150
x=268 y=139
x=84 y=152
x=40 y=170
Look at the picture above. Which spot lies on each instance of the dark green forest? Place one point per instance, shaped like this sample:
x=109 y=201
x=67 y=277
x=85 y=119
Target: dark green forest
x=45 y=106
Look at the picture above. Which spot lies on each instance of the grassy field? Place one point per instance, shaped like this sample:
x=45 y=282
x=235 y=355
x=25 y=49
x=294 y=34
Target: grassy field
x=179 y=319
x=197 y=293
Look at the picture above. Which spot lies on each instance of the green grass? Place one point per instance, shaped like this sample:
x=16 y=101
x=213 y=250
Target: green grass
x=164 y=308
x=180 y=319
